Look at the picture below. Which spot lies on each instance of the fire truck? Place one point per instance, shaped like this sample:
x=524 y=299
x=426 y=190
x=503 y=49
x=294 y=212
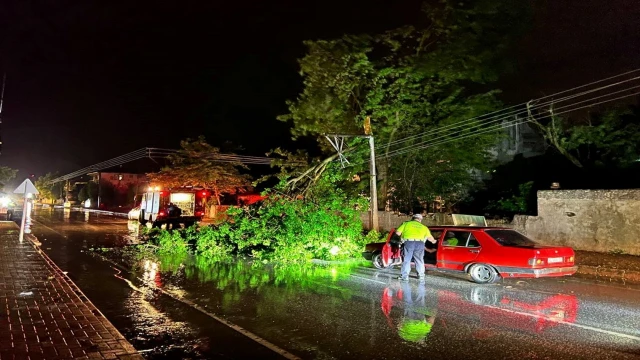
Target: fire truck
x=156 y=209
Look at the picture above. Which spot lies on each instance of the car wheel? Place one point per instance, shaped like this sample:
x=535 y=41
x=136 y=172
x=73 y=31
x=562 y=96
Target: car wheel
x=377 y=261
x=141 y=218
x=481 y=295
x=483 y=274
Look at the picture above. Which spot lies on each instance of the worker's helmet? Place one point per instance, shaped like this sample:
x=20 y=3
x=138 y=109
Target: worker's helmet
x=417 y=217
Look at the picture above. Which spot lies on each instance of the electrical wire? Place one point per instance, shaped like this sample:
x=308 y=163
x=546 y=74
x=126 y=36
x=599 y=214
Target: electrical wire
x=484 y=125
x=119 y=160
x=503 y=126
x=159 y=153
x=500 y=115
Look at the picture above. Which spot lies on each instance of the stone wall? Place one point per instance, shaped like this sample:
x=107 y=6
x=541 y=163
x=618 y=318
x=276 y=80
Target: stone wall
x=593 y=220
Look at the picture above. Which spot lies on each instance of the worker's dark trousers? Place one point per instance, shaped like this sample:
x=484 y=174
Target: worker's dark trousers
x=413 y=250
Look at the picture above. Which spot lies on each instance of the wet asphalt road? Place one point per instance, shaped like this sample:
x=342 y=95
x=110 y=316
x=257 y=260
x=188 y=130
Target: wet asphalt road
x=335 y=313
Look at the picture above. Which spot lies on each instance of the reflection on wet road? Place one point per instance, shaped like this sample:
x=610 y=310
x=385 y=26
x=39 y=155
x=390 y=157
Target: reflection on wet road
x=335 y=311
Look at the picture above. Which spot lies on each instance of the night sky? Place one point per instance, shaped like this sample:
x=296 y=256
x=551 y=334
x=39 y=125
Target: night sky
x=88 y=80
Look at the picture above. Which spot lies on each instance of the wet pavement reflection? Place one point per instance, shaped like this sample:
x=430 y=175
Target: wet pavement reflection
x=333 y=311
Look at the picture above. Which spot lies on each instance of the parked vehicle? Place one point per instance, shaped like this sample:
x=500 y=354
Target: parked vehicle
x=134 y=214
x=171 y=207
x=7 y=207
x=485 y=253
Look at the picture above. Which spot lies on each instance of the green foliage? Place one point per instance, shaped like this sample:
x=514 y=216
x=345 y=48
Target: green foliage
x=517 y=203
x=323 y=225
x=607 y=139
x=173 y=242
x=610 y=138
x=6 y=174
x=197 y=164
x=212 y=243
x=90 y=191
x=412 y=80
x=48 y=190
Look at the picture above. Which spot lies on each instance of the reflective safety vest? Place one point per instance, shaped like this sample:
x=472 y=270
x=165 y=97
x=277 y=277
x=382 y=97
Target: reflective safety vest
x=413 y=230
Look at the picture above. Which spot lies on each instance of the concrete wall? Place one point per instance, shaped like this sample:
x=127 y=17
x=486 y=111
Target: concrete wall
x=594 y=220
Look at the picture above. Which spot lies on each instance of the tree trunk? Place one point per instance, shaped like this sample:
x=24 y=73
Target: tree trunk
x=550 y=133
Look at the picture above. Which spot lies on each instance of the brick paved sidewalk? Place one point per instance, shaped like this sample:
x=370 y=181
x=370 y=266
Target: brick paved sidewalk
x=43 y=314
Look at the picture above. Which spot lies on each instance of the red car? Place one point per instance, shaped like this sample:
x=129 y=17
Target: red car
x=485 y=253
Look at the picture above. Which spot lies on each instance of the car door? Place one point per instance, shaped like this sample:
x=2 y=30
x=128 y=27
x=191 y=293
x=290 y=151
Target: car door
x=457 y=249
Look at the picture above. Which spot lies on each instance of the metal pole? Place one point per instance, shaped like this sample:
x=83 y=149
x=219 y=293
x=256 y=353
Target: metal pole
x=98 y=190
x=374 y=186
x=4 y=80
x=24 y=216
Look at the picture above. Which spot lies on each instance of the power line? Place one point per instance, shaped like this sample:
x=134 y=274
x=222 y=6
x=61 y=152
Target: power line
x=498 y=127
x=214 y=155
x=156 y=153
x=501 y=114
x=483 y=125
x=119 y=160
x=230 y=158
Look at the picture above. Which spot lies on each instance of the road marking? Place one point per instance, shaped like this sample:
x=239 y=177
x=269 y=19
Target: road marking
x=221 y=320
x=364 y=278
x=586 y=327
x=45 y=226
x=233 y=326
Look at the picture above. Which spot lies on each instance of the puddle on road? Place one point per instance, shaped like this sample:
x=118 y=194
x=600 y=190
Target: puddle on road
x=301 y=304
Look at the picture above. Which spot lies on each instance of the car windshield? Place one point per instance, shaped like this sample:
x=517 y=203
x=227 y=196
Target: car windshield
x=510 y=238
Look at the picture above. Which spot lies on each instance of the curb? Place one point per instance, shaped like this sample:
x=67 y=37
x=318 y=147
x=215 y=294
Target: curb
x=104 y=212
x=599 y=272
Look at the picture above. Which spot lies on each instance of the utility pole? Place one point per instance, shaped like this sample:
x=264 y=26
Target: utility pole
x=99 y=192
x=373 y=185
x=4 y=80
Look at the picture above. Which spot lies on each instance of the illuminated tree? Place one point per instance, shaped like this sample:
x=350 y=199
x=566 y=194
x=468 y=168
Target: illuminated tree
x=48 y=190
x=198 y=164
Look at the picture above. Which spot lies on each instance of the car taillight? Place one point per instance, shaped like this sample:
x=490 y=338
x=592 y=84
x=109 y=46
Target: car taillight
x=570 y=259
x=535 y=261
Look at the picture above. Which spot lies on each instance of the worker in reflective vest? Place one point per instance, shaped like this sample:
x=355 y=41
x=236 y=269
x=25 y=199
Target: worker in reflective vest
x=413 y=235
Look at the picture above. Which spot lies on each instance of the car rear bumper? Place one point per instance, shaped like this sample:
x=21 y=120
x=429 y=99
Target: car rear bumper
x=536 y=273
x=367 y=255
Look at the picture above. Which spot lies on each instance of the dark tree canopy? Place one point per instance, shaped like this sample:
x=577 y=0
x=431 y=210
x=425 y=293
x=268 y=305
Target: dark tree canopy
x=409 y=81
